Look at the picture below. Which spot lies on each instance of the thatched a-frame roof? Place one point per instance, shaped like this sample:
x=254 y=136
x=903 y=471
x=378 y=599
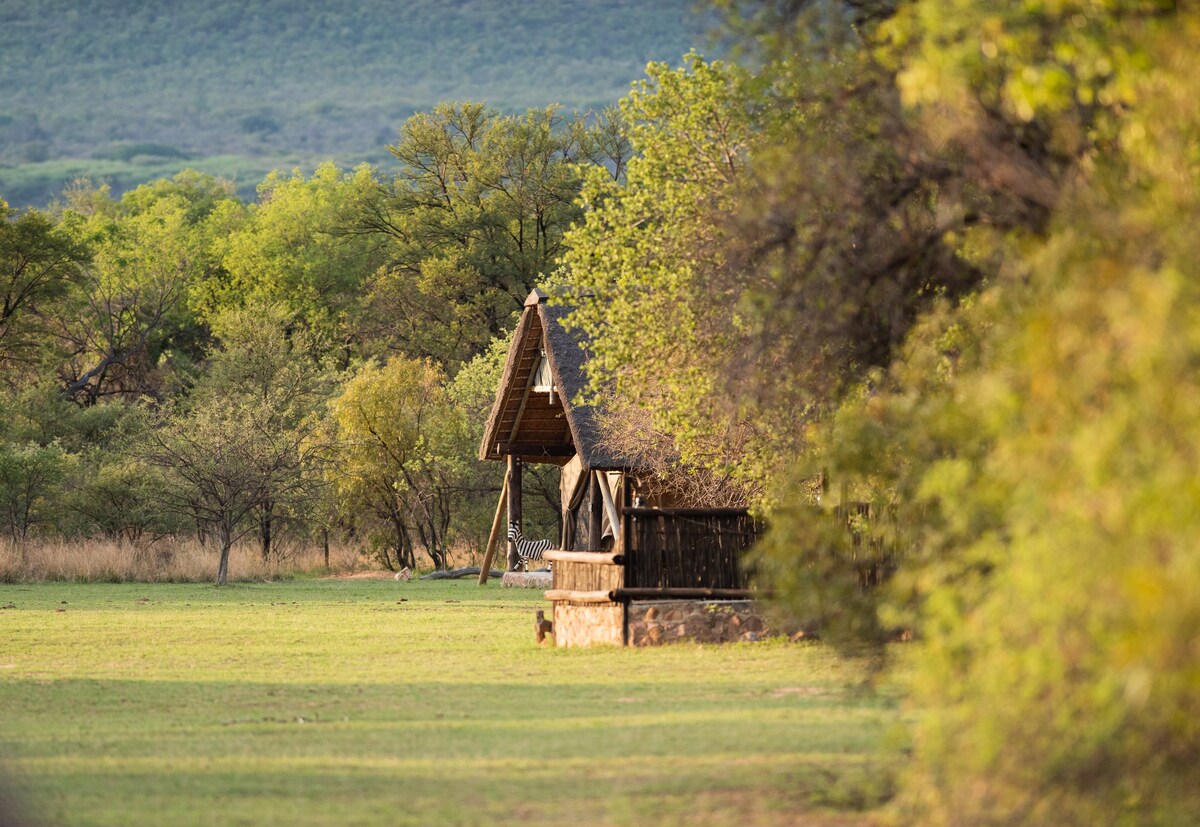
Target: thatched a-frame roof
x=545 y=427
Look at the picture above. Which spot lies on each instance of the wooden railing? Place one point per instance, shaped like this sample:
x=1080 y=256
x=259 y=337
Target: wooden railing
x=673 y=548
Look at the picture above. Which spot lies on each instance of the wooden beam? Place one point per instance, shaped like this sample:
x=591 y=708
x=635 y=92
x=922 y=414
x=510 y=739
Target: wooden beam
x=514 y=506
x=532 y=348
x=595 y=509
x=688 y=512
x=590 y=557
x=579 y=597
x=529 y=449
x=686 y=594
x=494 y=535
x=610 y=508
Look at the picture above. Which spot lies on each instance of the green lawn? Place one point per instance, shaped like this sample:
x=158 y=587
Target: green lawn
x=347 y=702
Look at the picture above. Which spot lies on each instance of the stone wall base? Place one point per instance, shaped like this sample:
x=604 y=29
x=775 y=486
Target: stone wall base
x=655 y=622
x=589 y=624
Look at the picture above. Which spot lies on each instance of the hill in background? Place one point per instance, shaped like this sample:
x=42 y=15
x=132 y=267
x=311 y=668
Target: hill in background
x=130 y=90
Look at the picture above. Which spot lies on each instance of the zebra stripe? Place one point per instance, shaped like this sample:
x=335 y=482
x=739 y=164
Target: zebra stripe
x=527 y=550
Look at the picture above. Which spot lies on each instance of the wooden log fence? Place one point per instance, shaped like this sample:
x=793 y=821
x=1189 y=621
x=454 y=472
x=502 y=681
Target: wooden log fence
x=687 y=548
x=625 y=595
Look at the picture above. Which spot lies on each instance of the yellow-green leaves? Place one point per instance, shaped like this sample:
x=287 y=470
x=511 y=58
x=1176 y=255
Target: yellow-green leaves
x=401 y=449
x=297 y=248
x=646 y=249
x=1072 y=66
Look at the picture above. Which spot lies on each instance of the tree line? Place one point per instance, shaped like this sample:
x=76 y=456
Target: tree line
x=318 y=361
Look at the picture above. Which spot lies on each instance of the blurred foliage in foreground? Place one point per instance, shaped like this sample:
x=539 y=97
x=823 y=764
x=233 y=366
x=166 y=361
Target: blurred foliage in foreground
x=937 y=311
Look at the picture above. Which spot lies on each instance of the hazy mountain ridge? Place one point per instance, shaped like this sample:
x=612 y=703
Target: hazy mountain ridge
x=150 y=84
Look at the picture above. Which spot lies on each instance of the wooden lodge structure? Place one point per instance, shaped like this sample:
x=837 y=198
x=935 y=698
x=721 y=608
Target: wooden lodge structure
x=630 y=568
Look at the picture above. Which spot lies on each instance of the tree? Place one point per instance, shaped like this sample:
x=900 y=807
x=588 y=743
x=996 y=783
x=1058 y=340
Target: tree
x=129 y=326
x=39 y=266
x=401 y=444
x=248 y=442
x=648 y=247
x=221 y=460
x=296 y=250
x=258 y=361
x=117 y=497
x=30 y=476
x=475 y=218
x=1023 y=450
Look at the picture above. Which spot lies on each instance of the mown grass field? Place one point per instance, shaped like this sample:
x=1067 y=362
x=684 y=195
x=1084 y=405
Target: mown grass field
x=364 y=702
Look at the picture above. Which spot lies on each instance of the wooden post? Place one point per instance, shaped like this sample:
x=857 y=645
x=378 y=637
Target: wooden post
x=595 y=522
x=514 y=506
x=494 y=535
x=610 y=508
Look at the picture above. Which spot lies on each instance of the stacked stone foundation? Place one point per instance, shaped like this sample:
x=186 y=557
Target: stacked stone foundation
x=657 y=622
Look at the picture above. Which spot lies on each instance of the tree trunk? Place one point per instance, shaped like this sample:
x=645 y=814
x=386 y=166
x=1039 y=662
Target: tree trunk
x=325 y=545
x=224 y=536
x=399 y=546
x=265 y=524
x=456 y=574
x=410 y=552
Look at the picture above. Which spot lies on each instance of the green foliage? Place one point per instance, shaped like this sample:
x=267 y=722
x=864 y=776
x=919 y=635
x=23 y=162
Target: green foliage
x=401 y=445
x=245 y=452
x=646 y=246
x=1026 y=455
x=475 y=219
x=116 y=497
x=473 y=391
x=1092 y=451
x=295 y=249
x=128 y=330
x=39 y=264
x=267 y=364
x=39 y=413
x=474 y=386
x=30 y=476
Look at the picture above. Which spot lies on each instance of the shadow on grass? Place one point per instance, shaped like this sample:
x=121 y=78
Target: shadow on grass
x=195 y=752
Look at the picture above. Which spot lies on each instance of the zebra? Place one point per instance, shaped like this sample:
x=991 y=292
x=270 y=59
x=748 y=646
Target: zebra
x=527 y=550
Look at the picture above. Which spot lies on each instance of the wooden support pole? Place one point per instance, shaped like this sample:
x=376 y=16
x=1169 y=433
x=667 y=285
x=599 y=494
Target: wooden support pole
x=514 y=507
x=610 y=508
x=595 y=509
x=494 y=535
x=579 y=596
x=595 y=558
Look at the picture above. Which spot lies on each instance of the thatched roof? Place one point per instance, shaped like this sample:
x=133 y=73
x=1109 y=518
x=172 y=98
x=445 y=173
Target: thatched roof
x=540 y=427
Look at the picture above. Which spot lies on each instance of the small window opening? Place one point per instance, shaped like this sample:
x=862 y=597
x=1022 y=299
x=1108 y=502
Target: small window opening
x=543 y=379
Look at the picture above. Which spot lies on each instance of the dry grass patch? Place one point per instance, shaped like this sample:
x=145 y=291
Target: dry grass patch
x=166 y=560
